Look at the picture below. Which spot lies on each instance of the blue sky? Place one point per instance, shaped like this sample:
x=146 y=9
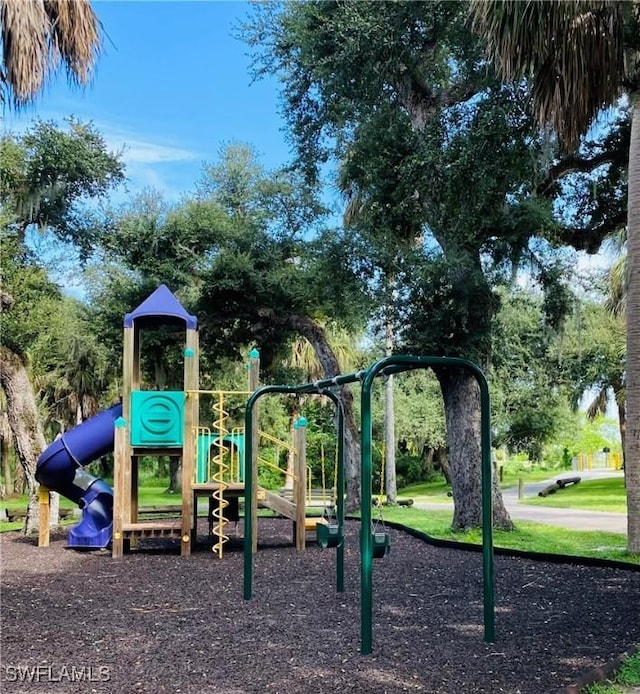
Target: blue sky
x=172 y=86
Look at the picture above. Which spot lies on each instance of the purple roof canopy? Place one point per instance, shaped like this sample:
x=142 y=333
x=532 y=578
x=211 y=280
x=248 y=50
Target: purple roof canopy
x=161 y=308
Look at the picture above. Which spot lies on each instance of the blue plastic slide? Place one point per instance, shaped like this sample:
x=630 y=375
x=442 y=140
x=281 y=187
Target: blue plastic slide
x=61 y=469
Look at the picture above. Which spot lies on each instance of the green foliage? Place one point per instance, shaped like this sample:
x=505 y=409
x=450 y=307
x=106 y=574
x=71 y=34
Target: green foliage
x=334 y=76
x=592 y=436
x=449 y=311
x=558 y=297
x=48 y=177
x=530 y=409
x=591 y=355
x=411 y=469
x=36 y=298
x=419 y=411
x=48 y=174
x=163 y=244
x=243 y=255
x=269 y=479
x=629 y=672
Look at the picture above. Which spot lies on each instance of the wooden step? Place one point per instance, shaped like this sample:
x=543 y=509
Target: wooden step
x=311 y=523
x=277 y=503
x=170 y=528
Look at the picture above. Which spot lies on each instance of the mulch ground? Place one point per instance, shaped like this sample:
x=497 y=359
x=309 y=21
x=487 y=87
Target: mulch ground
x=155 y=622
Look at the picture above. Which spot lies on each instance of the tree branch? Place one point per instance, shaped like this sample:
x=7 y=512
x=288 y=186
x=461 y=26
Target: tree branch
x=574 y=163
x=6 y=301
x=421 y=102
x=590 y=239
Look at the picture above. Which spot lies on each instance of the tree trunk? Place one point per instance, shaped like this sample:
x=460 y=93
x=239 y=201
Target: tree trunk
x=462 y=411
x=175 y=476
x=622 y=427
x=54 y=510
x=19 y=483
x=390 y=482
x=25 y=424
x=317 y=338
x=6 y=464
x=442 y=462
x=632 y=453
x=391 y=488
x=427 y=461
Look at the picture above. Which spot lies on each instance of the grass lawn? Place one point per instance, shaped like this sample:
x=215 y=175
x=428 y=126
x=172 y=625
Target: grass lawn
x=595 y=494
x=433 y=492
x=606 y=494
x=153 y=493
x=533 y=537
x=627 y=676
x=436 y=492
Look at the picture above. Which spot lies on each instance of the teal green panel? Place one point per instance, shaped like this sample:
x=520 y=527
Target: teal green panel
x=157 y=418
x=202 y=469
x=238 y=441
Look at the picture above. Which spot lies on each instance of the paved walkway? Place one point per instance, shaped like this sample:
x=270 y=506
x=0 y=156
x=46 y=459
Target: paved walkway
x=573 y=519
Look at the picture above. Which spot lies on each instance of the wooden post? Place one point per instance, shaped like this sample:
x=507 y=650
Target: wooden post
x=300 y=485
x=121 y=450
x=254 y=381
x=44 y=499
x=122 y=442
x=520 y=487
x=189 y=443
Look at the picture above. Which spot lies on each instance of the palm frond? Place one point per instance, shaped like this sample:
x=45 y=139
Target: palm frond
x=25 y=50
x=74 y=30
x=599 y=404
x=616 y=302
x=573 y=53
x=36 y=35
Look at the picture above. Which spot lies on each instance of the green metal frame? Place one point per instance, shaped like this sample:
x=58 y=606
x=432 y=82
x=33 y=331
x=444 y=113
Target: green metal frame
x=398 y=364
x=249 y=491
x=386 y=366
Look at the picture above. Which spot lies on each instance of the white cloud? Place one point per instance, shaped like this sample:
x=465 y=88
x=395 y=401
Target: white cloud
x=152 y=160
x=144 y=151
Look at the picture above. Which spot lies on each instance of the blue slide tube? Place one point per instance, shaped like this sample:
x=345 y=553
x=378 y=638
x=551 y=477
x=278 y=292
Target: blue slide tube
x=61 y=469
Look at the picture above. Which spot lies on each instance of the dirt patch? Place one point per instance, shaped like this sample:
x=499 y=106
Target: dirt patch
x=154 y=622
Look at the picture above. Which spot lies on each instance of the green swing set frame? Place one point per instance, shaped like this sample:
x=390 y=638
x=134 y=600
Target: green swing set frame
x=373 y=544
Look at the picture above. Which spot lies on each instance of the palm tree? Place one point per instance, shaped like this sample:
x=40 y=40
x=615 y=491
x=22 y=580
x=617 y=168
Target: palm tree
x=581 y=56
x=36 y=36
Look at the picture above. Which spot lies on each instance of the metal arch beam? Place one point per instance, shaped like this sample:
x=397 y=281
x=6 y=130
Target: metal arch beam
x=398 y=364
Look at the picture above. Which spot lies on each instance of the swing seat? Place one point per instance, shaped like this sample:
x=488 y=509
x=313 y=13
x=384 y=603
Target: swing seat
x=381 y=544
x=328 y=535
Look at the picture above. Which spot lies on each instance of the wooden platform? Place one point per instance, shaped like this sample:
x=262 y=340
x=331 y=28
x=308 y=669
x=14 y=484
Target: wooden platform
x=236 y=488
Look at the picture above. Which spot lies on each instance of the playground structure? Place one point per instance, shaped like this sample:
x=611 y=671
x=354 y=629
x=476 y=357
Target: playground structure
x=154 y=423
